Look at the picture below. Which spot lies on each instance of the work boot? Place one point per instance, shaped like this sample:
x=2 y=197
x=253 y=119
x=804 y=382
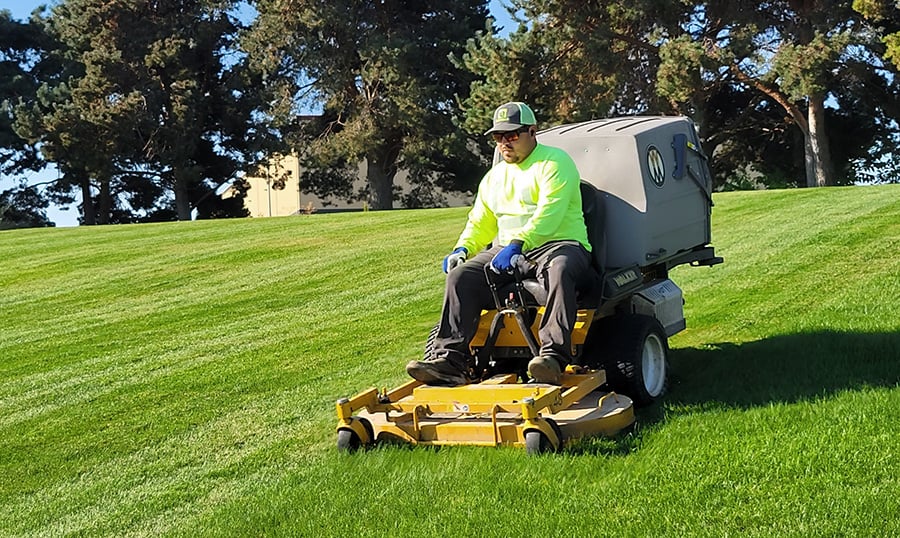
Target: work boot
x=545 y=369
x=440 y=371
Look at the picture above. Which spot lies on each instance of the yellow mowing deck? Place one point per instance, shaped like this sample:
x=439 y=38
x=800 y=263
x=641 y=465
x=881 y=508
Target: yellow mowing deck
x=498 y=411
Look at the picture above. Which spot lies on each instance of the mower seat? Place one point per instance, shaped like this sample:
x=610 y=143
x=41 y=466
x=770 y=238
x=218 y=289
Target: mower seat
x=592 y=207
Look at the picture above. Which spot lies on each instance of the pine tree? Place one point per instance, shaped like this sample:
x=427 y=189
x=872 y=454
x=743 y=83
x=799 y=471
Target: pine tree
x=381 y=73
x=156 y=100
x=755 y=76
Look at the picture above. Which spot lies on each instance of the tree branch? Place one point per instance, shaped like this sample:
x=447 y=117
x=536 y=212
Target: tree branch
x=777 y=96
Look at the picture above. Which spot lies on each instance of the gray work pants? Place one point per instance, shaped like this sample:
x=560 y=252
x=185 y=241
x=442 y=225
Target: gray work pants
x=562 y=268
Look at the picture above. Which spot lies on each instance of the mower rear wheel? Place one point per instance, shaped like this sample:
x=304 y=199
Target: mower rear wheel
x=638 y=361
x=633 y=349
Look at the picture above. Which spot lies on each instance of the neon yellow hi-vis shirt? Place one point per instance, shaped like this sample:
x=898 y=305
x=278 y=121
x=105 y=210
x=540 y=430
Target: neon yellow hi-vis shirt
x=536 y=201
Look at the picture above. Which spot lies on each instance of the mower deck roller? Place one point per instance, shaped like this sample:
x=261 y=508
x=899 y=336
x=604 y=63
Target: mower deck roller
x=497 y=411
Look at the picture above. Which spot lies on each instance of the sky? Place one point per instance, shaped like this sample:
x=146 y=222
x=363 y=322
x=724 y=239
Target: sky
x=68 y=215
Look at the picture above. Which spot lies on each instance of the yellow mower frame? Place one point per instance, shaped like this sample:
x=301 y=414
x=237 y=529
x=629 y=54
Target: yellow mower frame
x=497 y=411
x=512 y=336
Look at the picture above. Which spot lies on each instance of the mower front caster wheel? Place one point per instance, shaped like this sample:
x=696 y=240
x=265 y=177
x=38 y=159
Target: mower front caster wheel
x=536 y=443
x=348 y=441
x=351 y=437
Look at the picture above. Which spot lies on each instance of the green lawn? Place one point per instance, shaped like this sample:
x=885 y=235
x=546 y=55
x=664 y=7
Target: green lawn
x=179 y=379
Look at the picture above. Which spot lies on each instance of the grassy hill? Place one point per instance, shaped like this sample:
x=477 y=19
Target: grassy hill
x=179 y=379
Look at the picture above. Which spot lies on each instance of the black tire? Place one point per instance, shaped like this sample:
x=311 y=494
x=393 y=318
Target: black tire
x=348 y=441
x=634 y=352
x=538 y=443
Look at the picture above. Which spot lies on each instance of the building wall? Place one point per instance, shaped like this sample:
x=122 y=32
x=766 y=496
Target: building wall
x=276 y=191
x=267 y=198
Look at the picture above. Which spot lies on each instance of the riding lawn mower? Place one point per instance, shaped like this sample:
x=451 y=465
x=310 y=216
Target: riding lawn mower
x=647 y=199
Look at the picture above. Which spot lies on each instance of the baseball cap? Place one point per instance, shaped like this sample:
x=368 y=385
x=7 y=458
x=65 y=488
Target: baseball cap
x=512 y=116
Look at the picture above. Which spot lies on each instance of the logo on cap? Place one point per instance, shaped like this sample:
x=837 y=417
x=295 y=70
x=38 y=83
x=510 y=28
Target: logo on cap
x=502 y=114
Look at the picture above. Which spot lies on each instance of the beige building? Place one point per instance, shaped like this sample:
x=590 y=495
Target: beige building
x=275 y=191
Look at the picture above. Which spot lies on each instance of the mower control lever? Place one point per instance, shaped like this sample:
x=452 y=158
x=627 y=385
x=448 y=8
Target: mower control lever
x=515 y=307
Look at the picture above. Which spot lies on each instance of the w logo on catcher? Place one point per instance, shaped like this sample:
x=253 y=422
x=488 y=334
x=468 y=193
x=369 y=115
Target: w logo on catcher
x=656 y=166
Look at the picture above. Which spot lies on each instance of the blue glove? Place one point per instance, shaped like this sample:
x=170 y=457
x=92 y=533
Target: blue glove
x=455 y=258
x=507 y=258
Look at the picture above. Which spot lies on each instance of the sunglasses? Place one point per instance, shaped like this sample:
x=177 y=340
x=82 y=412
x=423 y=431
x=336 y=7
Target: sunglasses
x=509 y=136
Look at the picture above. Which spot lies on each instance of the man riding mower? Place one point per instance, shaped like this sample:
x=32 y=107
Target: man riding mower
x=552 y=333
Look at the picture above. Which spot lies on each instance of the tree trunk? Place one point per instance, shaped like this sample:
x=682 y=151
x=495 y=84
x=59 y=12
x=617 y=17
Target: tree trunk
x=105 y=205
x=809 y=160
x=819 y=169
x=183 y=179
x=89 y=216
x=380 y=179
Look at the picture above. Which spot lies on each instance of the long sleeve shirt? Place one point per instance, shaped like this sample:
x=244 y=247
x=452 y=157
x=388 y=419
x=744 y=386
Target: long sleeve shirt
x=535 y=201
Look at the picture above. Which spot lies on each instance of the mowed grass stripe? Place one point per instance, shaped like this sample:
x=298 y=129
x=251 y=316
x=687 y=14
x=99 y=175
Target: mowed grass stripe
x=179 y=379
x=146 y=292
x=214 y=456
x=786 y=267
x=227 y=319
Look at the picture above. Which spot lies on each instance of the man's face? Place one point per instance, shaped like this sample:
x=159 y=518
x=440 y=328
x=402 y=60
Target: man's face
x=516 y=145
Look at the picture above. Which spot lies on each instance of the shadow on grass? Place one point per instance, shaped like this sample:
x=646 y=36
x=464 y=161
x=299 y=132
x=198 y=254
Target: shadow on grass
x=781 y=369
